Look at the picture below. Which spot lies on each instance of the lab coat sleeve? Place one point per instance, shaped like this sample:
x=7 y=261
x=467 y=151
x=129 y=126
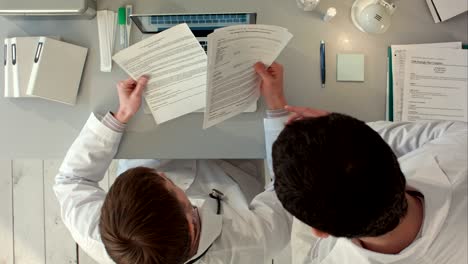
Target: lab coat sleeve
x=271 y=223
x=405 y=137
x=76 y=185
x=270 y=220
x=273 y=127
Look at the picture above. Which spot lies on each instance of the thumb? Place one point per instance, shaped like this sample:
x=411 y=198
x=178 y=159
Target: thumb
x=294 y=117
x=261 y=70
x=141 y=85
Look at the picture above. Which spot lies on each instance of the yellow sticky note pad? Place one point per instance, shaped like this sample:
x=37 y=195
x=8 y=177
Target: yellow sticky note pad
x=350 y=67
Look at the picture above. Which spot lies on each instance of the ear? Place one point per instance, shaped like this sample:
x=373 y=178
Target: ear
x=319 y=234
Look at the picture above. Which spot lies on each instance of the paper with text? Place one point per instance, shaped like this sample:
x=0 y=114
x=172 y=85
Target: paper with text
x=398 y=64
x=233 y=85
x=176 y=65
x=436 y=85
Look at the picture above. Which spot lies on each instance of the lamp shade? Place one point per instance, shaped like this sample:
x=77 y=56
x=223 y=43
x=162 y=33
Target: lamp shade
x=372 y=16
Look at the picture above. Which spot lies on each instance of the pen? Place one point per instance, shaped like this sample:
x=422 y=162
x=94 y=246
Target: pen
x=122 y=25
x=322 y=62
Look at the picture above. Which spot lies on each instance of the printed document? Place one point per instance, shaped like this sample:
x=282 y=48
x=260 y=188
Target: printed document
x=233 y=85
x=176 y=65
x=398 y=74
x=435 y=85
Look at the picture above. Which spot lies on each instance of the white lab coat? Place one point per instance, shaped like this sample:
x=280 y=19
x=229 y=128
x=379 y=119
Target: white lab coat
x=243 y=233
x=433 y=157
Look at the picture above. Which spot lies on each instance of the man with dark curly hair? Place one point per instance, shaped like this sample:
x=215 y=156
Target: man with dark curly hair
x=374 y=193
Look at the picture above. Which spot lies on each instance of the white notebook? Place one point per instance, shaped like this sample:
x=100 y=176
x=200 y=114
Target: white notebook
x=442 y=10
x=57 y=69
x=25 y=49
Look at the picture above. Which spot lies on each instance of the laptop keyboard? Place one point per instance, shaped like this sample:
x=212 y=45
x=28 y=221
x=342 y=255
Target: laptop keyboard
x=204 y=45
x=200 y=19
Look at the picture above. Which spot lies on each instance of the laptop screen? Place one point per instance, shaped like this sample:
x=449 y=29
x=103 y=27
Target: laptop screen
x=200 y=24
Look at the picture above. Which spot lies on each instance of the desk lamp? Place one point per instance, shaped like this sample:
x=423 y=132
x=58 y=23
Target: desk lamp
x=372 y=16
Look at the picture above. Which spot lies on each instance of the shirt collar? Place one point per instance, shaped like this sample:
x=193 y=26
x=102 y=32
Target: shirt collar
x=211 y=224
x=424 y=176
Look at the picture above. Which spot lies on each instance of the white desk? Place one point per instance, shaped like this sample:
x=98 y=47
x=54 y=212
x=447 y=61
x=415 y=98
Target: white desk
x=40 y=129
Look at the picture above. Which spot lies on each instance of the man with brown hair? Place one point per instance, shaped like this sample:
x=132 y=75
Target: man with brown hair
x=182 y=211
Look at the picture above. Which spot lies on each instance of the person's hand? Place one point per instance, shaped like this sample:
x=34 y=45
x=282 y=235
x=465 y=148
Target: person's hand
x=130 y=93
x=271 y=86
x=298 y=113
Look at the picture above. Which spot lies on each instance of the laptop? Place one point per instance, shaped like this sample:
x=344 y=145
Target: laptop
x=200 y=24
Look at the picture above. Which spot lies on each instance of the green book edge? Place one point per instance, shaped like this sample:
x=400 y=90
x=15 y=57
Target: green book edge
x=390 y=86
x=122 y=16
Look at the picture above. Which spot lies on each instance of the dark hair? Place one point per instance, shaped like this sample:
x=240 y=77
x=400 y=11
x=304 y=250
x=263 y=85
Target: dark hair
x=337 y=175
x=143 y=222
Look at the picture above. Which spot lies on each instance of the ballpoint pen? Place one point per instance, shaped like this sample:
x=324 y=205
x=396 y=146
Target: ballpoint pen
x=122 y=26
x=322 y=62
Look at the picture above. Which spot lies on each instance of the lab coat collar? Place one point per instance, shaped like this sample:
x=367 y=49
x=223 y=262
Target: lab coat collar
x=211 y=224
x=424 y=175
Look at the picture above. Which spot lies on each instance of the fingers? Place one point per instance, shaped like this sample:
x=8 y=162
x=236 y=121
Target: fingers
x=305 y=111
x=276 y=67
x=261 y=70
x=141 y=85
x=294 y=117
x=129 y=82
x=121 y=86
x=296 y=109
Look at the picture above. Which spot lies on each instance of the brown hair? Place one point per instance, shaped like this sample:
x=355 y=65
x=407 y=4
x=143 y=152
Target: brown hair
x=144 y=222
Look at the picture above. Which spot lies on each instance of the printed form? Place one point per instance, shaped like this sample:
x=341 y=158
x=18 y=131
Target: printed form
x=233 y=85
x=176 y=65
x=436 y=85
x=399 y=69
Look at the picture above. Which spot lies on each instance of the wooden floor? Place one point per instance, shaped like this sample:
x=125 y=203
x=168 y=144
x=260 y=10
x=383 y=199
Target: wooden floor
x=31 y=229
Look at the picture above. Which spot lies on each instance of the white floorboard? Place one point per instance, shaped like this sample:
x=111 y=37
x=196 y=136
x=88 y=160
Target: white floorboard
x=6 y=213
x=59 y=245
x=28 y=210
